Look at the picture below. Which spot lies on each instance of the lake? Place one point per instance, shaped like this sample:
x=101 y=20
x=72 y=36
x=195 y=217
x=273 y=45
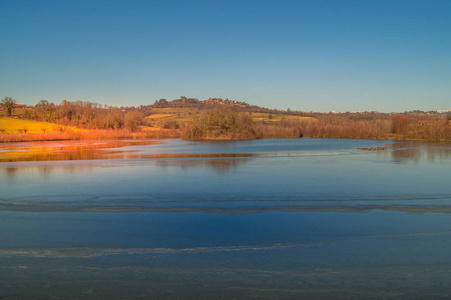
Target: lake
x=273 y=219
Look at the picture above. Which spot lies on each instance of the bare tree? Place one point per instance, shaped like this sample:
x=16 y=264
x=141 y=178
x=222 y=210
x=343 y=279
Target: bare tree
x=45 y=110
x=8 y=105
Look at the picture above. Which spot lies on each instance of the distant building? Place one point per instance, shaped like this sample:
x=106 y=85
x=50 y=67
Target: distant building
x=221 y=101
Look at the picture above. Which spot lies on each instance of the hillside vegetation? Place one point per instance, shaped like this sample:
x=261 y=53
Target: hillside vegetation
x=214 y=118
x=222 y=122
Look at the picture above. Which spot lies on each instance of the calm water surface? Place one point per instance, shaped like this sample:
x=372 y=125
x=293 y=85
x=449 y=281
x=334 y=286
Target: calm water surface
x=277 y=219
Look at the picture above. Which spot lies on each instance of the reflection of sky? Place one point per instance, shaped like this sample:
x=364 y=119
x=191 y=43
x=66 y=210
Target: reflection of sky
x=224 y=214
x=194 y=230
x=288 y=180
x=76 y=150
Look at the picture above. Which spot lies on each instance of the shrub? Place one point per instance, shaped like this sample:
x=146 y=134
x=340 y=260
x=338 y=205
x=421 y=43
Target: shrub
x=222 y=122
x=133 y=120
x=400 y=124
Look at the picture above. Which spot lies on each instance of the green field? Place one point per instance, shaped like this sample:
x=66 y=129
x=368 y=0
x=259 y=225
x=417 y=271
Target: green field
x=16 y=125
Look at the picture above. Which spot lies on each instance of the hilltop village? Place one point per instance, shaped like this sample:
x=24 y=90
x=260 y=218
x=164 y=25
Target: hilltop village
x=189 y=102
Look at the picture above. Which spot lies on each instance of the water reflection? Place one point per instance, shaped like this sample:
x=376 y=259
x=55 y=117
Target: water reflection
x=68 y=150
x=420 y=151
x=110 y=150
x=223 y=165
x=56 y=207
x=10 y=172
x=44 y=170
x=105 y=150
x=191 y=213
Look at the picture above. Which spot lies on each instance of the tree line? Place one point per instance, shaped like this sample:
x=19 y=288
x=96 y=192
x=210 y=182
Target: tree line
x=81 y=114
x=221 y=122
x=231 y=122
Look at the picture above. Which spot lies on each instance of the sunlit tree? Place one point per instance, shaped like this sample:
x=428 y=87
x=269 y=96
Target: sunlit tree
x=222 y=121
x=8 y=105
x=45 y=110
x=133 y=120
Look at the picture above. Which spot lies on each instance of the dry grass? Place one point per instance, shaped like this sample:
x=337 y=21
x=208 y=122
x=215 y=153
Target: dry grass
x=89 y=135
x=272 y=118
x=158 y=116
x=171 y=117
x=15 y=125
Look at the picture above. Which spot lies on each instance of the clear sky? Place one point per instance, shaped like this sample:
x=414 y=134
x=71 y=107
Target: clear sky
x=305 y=55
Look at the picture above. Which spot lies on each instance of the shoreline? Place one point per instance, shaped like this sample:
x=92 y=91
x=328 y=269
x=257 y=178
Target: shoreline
x=88 y=135
x=165 y=134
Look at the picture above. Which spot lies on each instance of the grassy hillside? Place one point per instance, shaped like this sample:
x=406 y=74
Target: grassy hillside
x=186 y=114
x=264 y=117
x=183 y=114
x=15 y=126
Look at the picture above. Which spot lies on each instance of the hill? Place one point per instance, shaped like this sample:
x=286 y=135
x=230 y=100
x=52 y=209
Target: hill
x=175 y=118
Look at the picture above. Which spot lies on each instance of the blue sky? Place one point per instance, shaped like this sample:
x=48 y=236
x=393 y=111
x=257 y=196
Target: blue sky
x=304 y=55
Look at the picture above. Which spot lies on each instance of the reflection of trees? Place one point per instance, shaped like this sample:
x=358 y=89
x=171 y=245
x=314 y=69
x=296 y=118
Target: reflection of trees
x=114 y=150
x=14 y=173
x=45 y=171
x=94 y=150
x=221 y=165
x=10 y=172
x=86 y=150
x=421 y=151
x=225 y=165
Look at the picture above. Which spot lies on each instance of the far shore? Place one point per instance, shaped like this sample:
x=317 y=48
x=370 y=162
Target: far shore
x=158 y=134
x=216 y=123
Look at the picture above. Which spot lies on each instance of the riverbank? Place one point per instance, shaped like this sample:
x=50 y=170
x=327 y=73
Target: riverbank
x=228 y=123
x=88 y=135
x=173 y=133
x=362 y=130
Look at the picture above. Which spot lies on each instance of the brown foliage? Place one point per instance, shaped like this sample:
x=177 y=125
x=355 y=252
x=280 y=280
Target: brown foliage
x=89 y=135
x=86 y=115
x=399 y=127
x=400 y=124
x=222 y=122
x=226 y=122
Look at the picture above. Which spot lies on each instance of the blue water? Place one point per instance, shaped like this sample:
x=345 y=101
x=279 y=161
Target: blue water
x=314 y=218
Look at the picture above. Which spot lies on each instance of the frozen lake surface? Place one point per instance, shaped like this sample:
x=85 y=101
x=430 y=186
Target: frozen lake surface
x=276 y=219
